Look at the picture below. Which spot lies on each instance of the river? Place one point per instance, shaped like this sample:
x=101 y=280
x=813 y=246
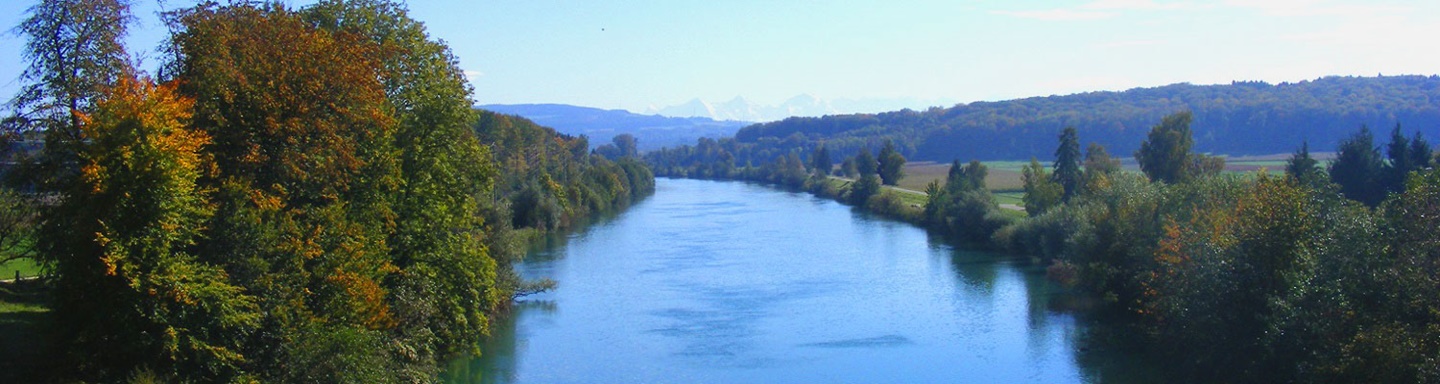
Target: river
x=729 y=282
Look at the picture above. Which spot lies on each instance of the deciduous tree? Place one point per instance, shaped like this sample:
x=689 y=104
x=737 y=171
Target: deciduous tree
x=892 y=164
x=1165 y=156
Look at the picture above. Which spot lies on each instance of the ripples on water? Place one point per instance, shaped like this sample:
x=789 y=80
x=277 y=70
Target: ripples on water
x=729 y=282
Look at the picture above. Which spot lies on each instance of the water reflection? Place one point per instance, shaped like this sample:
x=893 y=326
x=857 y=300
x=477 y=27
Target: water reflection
x=729 y=282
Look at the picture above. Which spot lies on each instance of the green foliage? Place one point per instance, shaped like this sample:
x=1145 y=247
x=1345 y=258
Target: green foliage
x=18 y=222
x=1041 y=191
x=550 y=180
x=820 y=161
x=1357 y=168
x=621 y=146
x=1303 y=168
x=868 y=185
x=970 y=176
x=1274 y=279
x=125 y=280
x=1067 y=163
x=1099 y=167
x=866 y=164
x=891 y=167
x=1165 y=154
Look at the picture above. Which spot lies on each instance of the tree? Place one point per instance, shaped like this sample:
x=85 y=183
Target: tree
x=1303 y=168
x=1099 y=167
x=969 y=177
x=1098 y=160
x=1400 y=164
x=451 y=260
x=1041 y=191
x=848 y=168
x=1067 y=163
x=626 y=142
x=1358 y=168
x=75 y=52
x=820 y=161
x=869 y=182
x=306 y=179
x=891 y=164
x=18 y=220
x=1420 y=152
x=865 y=163
x=1165 y=156
x=129 y=291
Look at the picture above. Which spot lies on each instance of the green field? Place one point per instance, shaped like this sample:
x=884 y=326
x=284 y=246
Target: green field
x=26 y=267
x=1000 y=175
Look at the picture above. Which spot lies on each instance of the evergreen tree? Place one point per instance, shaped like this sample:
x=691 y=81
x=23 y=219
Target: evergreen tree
x=1067 y=163
x=1303 y=168
x=1165 y=155
x=891 y=164
x=1400 y=164
x=1358 y=168
x=1420 y=152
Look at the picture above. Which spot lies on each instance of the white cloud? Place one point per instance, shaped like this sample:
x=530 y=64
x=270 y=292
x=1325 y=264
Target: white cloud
x=471 y=74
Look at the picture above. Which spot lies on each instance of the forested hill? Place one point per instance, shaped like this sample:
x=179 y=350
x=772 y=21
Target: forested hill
x=651 y=131
x=1242 y=118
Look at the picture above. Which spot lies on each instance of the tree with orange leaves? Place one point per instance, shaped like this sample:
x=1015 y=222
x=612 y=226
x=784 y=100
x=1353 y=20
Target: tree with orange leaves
x=126 y=278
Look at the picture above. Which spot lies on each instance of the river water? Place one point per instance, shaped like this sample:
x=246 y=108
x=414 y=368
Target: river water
x=728 y=282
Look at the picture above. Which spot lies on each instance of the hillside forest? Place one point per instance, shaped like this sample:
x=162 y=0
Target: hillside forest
x=1242 y=118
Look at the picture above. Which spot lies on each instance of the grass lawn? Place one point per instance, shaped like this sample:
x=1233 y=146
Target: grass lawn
x=26 y=267
x=24 y=353
x=1011 y=197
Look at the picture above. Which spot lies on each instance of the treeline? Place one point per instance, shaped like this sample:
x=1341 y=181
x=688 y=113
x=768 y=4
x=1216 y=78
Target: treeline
x=300 y=195
x=1324 y=274
x=1256 y=278
x=1242 y=118
x=550 y=179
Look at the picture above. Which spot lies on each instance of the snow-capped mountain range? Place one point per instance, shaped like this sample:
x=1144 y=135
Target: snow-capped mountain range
x=739 y=109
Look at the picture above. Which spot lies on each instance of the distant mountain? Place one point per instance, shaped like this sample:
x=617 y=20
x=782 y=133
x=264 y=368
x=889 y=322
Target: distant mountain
x=1242 y=118
x=601 y=125
x=801 y=105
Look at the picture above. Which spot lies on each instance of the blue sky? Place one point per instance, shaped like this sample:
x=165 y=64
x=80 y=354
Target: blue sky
x=634 y=54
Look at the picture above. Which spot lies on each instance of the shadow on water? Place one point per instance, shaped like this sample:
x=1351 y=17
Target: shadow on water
x=502 y=350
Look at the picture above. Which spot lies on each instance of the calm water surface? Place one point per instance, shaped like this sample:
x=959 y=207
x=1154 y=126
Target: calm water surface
x=727 y=282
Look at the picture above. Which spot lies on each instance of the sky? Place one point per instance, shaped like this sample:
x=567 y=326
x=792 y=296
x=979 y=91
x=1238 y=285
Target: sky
x=638 y=54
